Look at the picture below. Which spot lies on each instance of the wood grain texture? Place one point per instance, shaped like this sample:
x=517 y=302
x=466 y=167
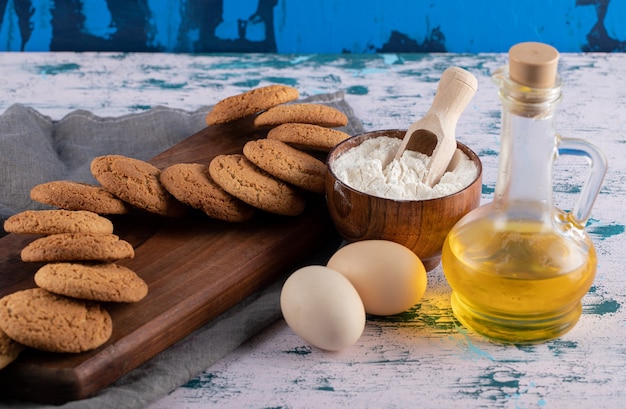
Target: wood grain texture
x=196 y=268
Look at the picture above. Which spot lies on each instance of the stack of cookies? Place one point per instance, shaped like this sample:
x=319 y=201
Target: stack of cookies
x=64 y=313
x=273 y=174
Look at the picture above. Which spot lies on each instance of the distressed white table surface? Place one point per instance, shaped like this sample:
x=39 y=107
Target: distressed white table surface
x=422 y=358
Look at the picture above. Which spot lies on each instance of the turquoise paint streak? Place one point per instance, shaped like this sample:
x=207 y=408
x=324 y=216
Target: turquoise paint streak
x=357 y=90
x=282 y=80
x=325 y=385
x=558 y=347
x=391 y=59
x=488 y=152
x=58 y=69
x=164 y=85
x=565 y=188
x=247 y=83
x=603 y=232
x=471 y=351
x=488 y=190
x=140 y=107
x=605 y=307
x=205 y=381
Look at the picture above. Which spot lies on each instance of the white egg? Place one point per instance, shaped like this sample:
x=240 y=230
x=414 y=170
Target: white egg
x=389 y=277
x=323 y=308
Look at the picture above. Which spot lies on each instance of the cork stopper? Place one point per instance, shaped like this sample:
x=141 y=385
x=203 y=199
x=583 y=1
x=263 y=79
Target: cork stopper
x=533 y=64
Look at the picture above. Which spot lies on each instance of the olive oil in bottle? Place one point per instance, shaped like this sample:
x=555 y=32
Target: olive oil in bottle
x=517 y=282
x=518 y=266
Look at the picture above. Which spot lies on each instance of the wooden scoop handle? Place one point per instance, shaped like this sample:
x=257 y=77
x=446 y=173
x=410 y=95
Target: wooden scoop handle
x=434 y=134
x=455 y=90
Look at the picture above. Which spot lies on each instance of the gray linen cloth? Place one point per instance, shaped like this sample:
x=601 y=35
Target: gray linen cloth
x=35 y=149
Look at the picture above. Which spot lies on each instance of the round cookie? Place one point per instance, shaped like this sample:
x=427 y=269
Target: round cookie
x=42 y=320
x=69 y=195
x=77 y=247
x=249 y=103
x=191 y=184
x=136 y=182
x=316 y=114
x=242 y=179
x=107 y=282
x=308 y=136
x=57 y=221
x=9 y=349
x=286 y=163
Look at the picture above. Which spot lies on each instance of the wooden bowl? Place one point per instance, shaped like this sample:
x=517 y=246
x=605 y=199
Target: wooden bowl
x=420 y=225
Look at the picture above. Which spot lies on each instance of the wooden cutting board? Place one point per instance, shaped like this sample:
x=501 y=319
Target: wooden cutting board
x=196 y=268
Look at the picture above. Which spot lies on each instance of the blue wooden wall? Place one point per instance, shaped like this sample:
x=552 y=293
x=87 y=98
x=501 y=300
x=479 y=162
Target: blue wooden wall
x=320 y=26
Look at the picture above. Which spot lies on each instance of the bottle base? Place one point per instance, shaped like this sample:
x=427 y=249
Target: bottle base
x=515 y=329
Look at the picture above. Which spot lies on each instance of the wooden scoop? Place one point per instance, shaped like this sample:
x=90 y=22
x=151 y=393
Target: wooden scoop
x=434 y=134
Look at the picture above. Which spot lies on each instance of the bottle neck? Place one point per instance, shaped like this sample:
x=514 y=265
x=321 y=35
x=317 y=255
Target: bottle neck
x=528 y=150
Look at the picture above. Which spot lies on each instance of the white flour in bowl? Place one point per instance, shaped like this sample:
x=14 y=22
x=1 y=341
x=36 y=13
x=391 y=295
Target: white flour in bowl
x=361 y=168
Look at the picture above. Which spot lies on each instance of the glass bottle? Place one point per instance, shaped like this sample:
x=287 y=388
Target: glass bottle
x=518 y=266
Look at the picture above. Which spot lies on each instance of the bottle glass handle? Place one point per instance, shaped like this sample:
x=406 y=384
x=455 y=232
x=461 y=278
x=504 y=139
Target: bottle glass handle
x=597 y=170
